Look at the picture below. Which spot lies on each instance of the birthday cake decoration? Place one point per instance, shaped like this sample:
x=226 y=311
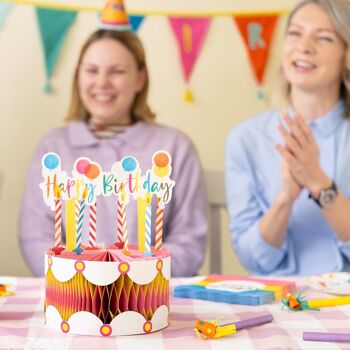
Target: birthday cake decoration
x=120 y=289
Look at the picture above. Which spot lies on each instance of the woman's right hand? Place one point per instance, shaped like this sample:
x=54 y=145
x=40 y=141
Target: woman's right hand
x=290 y=188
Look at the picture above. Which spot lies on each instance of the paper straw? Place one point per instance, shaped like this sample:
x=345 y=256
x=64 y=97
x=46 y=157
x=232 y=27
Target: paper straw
x=329 y=302
x=327 y=337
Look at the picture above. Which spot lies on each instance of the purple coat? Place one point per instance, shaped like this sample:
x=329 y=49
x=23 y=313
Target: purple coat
x=185 y=217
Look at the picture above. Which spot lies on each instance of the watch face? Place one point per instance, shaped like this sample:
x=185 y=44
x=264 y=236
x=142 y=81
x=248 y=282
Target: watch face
x=327 y=198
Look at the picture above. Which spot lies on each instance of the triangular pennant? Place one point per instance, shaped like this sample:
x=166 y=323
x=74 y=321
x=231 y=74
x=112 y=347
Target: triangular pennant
x=257 y=33
x=190 y=34
x=136 y=22
x=54 y=26
x=5 y=10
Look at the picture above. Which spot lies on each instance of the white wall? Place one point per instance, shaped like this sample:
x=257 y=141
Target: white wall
x=222 y=83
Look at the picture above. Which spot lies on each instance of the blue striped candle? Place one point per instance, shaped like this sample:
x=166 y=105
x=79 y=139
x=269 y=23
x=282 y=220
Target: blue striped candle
x=80 y=223
x=148 y=229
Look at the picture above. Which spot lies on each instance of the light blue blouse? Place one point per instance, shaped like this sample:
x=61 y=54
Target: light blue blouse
x=253 y=179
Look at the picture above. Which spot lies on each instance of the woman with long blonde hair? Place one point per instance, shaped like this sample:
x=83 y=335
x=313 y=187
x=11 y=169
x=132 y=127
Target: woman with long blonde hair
x=288 y=174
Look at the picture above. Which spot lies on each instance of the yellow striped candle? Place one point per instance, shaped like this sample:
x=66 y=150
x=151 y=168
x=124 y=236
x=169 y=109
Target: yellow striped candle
x=141 y=221
x=70 y=225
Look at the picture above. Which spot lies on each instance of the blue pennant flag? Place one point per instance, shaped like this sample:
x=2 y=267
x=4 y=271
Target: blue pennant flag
x=54 y=26
x=135 y=22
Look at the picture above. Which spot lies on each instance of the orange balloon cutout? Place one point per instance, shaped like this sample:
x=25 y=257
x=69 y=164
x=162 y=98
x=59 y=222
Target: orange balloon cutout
x=161 y=159
x=92 y=171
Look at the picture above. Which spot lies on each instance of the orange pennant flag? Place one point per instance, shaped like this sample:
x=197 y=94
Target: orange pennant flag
x=257 y=33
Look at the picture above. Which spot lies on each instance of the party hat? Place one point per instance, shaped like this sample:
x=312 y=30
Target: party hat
x=114 y=16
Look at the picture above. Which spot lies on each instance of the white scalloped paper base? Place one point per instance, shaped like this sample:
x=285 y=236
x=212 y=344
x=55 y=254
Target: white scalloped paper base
x=127 y=323
x=102 y=273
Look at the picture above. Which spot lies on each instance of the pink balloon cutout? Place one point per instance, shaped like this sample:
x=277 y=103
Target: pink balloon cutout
x=82 y=166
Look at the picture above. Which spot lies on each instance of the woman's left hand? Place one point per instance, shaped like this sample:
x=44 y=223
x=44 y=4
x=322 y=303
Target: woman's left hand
x=302 y=154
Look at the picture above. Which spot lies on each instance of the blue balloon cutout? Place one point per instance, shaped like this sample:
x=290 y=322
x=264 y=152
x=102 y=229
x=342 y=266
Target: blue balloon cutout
x=129 y=164
x=51 y=161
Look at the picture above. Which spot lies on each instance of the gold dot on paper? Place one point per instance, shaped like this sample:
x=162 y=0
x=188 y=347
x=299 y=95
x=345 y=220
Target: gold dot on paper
x=79 y=266
x=123 y=267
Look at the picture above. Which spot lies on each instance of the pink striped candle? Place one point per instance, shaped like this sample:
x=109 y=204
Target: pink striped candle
x=121 y=209
x=92 y=225
x=125 y=228
x=159 y=226
x=58 y=218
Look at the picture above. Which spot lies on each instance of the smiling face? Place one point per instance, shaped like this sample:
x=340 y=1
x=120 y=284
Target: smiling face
x=108 y=82
x=313 y=53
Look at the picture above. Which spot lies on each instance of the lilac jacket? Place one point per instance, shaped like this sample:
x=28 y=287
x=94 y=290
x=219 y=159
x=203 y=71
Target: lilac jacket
x=185 y=217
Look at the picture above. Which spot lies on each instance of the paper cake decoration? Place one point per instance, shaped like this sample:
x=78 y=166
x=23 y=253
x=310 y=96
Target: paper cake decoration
x=236 y=290
x=119 y=290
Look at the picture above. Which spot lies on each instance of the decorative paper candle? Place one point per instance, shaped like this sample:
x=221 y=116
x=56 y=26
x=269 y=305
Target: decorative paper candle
x=159 y=225
x=328 y=337
x=125 y=229
x=211 y=330
x=148 y=224
x=92 y=225
x=58 y=217
x=122 y=224
x=141 y=219
x=70 y=224
x=121 y=208
x=79 y=211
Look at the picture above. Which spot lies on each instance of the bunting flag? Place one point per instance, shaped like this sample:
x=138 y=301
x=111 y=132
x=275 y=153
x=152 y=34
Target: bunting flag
x=53 y=26
x=257 y=33
x=5 y=10
x=136 y=22
x=190 y=34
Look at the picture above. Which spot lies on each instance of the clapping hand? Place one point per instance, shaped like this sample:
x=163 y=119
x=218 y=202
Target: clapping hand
x=301 y=153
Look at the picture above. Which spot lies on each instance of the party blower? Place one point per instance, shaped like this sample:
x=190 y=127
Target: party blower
x=211 y=330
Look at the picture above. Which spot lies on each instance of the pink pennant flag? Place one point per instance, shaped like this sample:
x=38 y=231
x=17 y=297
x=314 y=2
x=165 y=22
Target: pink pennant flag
x=190 y=34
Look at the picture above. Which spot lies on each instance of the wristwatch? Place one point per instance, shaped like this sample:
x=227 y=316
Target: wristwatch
x=327 y=196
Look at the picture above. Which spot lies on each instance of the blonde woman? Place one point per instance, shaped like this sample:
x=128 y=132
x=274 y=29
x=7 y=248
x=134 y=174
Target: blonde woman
x=108 y=119
x=288 y=175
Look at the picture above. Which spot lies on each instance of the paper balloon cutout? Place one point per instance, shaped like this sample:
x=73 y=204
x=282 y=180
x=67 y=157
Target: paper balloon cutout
x=85 y=167
x=51 y=161
x=161 y=159
x=82 y=165
x=129 y=164
x=161 y=171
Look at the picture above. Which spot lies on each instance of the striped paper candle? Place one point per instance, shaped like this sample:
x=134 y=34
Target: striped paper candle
x=125 y=228
x=79 y=214
x=121 y=209
x=58 y=218
x=148 y=229
x=92 y=225
x=159 y=226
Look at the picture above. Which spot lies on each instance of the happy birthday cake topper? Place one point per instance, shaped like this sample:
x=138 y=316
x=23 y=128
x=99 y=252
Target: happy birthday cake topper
x=88 y=181
x=124 y=179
